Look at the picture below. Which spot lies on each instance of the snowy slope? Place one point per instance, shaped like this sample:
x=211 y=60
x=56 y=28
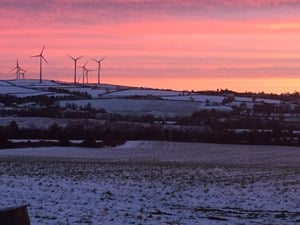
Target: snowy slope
x=122 y=99
x=15 y=90
x=155 y=107
x=24 y=88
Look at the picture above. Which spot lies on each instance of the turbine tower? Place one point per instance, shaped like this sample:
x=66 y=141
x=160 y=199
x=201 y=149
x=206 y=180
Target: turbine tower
x=75 y=66
x=41 y=62
x=99 y=67
x=83 y=71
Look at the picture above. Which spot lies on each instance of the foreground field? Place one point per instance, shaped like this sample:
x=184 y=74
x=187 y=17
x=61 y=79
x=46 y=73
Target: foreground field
x=218 y=186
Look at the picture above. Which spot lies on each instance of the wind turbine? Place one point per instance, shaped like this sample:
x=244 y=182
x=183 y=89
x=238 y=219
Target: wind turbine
x=99 y=67
x=83 y=71
x=87 y=74
x=22 y=72
x=75 y=66
x=41 y=61
x=17 y=69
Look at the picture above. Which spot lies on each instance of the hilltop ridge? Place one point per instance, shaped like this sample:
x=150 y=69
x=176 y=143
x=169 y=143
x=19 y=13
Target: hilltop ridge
x=221 y=116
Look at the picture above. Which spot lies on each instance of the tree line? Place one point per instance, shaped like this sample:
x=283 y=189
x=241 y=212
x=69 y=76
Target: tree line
x=118 y=133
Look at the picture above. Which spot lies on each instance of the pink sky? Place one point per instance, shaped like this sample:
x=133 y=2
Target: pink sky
x=179 y=44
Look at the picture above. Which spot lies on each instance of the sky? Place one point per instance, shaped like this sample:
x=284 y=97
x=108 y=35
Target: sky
x=242 y=45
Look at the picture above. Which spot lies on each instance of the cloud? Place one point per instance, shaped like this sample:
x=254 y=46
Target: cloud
x=112 y=11
x=145 y=4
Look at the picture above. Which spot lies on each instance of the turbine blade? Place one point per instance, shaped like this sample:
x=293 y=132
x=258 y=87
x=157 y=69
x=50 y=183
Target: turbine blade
x=43 y=50
x=83 y=66
x=71 y=57
x=17 y=66
x=100 y=60
x=35 y=56
x=75 y=59
x=44 y=59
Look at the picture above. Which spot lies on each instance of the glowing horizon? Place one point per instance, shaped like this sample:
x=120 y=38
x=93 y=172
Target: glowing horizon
x=183 y=45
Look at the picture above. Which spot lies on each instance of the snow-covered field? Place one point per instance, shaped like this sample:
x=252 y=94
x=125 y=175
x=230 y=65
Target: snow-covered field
x=25 y=88
x=196 y=97
x=133 y=106
x=146 y=182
